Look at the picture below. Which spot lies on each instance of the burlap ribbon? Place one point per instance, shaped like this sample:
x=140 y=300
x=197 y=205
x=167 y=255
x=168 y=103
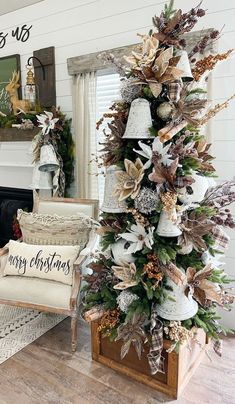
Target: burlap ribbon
x=220 y=237
x=217 y=346
x=155 y=359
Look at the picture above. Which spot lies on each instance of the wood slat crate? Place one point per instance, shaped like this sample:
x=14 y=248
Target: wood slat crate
x=179 y=367
x=17 y=135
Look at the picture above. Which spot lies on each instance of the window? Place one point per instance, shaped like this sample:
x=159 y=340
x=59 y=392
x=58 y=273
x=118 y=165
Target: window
x=107 y=91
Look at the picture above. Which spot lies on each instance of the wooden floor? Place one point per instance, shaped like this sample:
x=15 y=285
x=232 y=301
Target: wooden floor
x=46 y=372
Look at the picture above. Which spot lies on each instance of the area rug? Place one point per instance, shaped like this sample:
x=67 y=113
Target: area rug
x=19 y=327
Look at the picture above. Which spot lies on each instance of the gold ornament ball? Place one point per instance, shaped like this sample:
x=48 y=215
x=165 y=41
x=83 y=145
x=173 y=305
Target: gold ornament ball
x=164 y=111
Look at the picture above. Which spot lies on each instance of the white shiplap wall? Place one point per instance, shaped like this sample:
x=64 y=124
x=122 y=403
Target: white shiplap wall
x=77 y=27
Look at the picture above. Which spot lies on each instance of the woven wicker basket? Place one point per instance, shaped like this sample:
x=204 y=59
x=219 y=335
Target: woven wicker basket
x=44 y=229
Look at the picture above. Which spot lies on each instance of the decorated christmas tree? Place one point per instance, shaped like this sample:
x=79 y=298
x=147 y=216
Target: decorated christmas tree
x=158 y=273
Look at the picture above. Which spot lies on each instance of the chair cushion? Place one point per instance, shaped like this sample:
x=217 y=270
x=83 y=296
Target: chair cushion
x=35 y=291
x=51 y=262
x=53 y=229
x=64 y=209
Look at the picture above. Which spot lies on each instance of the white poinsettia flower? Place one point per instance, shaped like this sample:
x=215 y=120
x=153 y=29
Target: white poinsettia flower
x=139 y=237
x=145 y=152
x=157 y=147
x=46 y=122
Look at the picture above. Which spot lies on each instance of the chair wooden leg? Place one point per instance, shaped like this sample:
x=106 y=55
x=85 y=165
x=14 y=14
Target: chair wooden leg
x=74 y=332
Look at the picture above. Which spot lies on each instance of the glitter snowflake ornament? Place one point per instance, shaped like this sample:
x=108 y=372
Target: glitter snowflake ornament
x=129 y=90
x=125 y=299
x=147 y=201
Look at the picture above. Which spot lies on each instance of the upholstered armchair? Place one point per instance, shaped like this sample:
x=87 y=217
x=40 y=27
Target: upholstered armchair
x=49 y=295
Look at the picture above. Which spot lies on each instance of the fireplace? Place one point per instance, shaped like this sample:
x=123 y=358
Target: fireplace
x=12 y=199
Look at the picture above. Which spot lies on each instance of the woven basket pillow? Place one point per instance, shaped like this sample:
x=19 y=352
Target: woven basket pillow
x=45 y=229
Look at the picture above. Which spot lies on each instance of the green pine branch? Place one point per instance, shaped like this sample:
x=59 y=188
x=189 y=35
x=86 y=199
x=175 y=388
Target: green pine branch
x=169 y=10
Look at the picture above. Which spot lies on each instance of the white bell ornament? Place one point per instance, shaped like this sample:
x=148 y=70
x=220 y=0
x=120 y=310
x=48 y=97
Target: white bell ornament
x=139 y=120
x=177 y=306
x=167 y=225
x=48 y=160
x=111 y=204
x=41 y=179
x=184 y=65
x=198 y=190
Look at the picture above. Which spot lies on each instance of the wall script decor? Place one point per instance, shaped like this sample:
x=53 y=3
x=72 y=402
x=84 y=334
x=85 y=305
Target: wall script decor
x=20 y=33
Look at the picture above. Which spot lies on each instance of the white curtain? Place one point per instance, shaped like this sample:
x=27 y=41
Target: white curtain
x=84 y=120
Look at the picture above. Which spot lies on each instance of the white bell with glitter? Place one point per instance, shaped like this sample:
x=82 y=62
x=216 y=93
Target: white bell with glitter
x=41 y=179
x=183 y=64
x=167 y=225
x=177 y=306
x=111 y=204
x=48 y=159
x=119 y=252
x=195 y=192
x=139 y=120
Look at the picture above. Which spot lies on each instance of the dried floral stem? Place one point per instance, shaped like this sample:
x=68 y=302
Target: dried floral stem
x=208 y=63
x=213 y=111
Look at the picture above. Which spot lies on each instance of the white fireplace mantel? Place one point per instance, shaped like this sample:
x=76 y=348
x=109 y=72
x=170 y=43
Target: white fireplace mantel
x=16 y=166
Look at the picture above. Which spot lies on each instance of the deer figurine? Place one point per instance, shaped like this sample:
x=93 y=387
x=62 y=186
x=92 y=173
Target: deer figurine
x=11 y=88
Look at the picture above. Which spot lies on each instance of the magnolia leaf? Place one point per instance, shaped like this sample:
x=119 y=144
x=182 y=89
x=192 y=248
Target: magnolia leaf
x=200 y=296
x=174 y=273
x=131 y=169
x=125 y=348
x=203 y=273
x=138 y=347
x=190 y=274
x=173 y=22
x=162 y=62
x=156 y=88
x=211 y=291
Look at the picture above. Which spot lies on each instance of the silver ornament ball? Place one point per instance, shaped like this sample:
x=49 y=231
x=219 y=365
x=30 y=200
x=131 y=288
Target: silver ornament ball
x=146 y=201
x=125 y=299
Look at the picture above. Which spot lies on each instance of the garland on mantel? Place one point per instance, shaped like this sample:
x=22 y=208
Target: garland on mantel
x=163 y=221
x=61 y=135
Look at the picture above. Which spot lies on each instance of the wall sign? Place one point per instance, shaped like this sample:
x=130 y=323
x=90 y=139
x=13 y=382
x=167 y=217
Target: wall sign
x=21 y=33
x=8 y=65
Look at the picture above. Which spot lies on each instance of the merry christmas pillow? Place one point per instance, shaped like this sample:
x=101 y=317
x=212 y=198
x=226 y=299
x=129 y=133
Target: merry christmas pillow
x=51 y=262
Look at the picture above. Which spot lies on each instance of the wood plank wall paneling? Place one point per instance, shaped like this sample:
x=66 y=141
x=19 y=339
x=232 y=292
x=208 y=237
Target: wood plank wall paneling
x=78 y=27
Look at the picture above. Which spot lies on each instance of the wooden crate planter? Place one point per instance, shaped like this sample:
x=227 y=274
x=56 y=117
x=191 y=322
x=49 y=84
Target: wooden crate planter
x=17 y=135
x=179 y=367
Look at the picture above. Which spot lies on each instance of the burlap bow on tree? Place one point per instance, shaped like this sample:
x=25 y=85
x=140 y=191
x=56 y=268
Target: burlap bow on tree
x=155 y=359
